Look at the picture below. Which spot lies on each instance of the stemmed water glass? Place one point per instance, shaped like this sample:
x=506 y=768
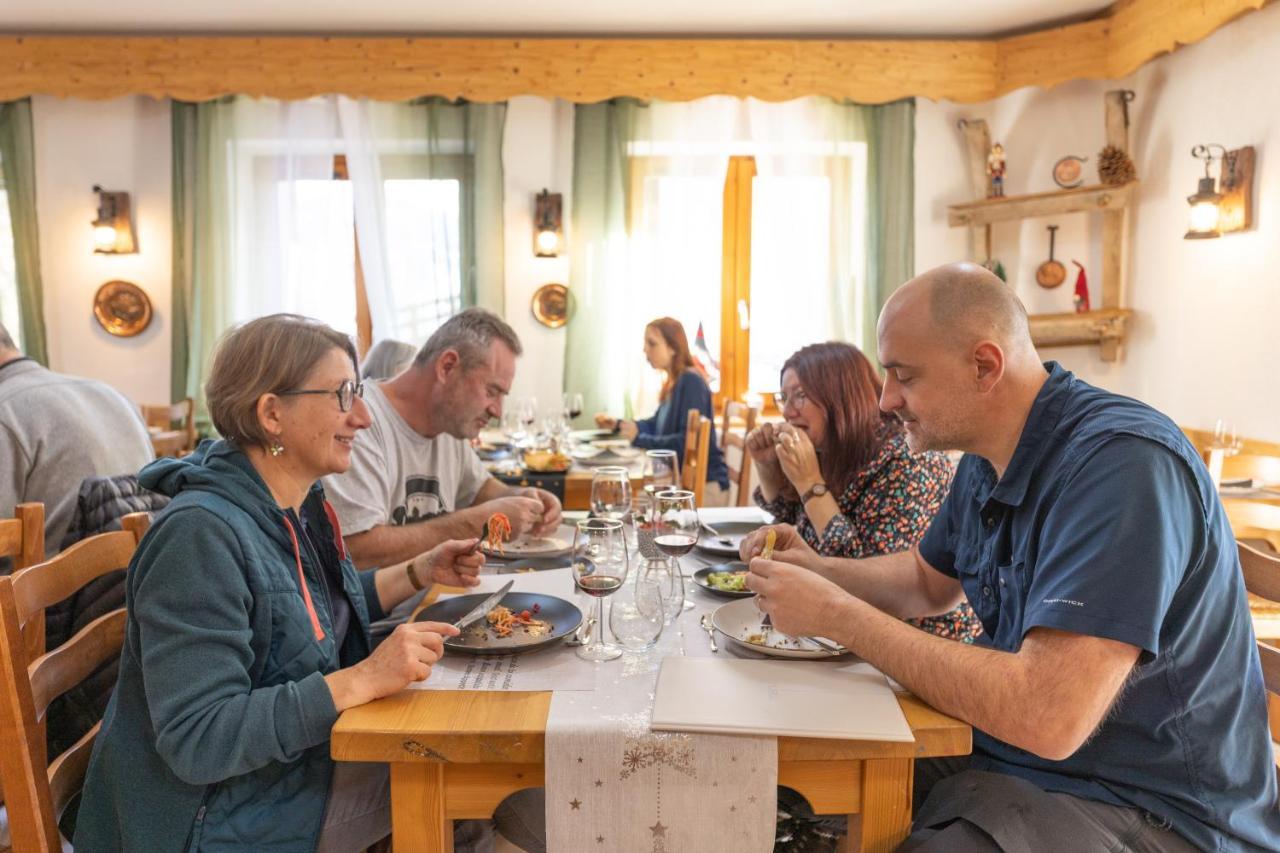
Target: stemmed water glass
x=661 y=471
x=675 y=526
x=611 y=492
x=599 y=569
x=1225 y=438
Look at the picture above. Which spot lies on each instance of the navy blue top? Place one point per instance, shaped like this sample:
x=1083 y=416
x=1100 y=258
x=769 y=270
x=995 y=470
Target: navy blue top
x=1106 y=524
x=666 y=429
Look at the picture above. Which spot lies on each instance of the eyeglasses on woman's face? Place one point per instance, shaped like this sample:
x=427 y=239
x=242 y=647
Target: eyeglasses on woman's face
x=346 y=393
x=796 y=399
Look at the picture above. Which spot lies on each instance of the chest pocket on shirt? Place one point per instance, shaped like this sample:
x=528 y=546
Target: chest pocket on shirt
x=997 y=594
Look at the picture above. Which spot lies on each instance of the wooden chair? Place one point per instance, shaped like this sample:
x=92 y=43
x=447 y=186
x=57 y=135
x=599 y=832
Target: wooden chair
x=697 y=441
x=1254 y=520
x=38 y=791
x=172 y=427
x=739 y=420
x=1262 y=580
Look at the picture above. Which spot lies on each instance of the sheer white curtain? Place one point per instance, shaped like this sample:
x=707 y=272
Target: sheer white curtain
x=808 y=228
x=299 y=232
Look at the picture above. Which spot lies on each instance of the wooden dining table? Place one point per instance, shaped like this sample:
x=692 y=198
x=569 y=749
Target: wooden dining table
x=457 y=755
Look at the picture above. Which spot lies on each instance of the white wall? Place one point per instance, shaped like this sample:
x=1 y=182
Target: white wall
x=537 y=154
x=1204 y=343
x=121 y=144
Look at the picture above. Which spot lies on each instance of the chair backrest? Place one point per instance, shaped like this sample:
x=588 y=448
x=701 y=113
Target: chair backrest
x=739 y=420
x=36 y=790
x=1254 y=520
x=1262 y=580
x=697 y=438
x=173 y=427
x=22 y=542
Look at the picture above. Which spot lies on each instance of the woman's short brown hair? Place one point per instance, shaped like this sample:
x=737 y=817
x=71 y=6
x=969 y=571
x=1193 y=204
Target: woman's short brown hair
x=265 y=356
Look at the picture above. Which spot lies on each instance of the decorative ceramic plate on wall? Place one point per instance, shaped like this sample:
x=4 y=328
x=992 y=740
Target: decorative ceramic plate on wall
x=122 y=308
x=551 y=305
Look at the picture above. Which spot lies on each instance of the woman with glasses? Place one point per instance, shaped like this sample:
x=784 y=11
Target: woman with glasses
x=666 y=348
x=840 y=471
x=248 y=626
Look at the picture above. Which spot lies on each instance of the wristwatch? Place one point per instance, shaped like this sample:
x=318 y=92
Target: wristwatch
x=813 y=492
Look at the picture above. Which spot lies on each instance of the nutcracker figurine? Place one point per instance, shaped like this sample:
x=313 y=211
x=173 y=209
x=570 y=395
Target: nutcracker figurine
x=995 y=170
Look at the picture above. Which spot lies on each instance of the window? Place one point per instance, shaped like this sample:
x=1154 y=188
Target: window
x=313 y=264
x=9 y=314
x=750 y=259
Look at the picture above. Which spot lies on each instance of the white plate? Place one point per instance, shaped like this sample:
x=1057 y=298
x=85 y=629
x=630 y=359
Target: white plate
x=534 y=546
x=612 y=443
x=740 y=619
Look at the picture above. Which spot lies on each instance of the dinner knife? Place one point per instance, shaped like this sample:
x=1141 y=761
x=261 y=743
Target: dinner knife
x=483 y=607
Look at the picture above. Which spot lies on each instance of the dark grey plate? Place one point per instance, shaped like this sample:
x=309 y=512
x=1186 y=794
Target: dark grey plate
x=700 y=577
x=478 y=639
x=734 y=531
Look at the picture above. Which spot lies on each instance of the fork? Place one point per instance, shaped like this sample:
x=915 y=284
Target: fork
x=767 y=624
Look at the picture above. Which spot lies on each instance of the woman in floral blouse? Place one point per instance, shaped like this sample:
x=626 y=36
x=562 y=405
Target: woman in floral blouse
x=840 y=470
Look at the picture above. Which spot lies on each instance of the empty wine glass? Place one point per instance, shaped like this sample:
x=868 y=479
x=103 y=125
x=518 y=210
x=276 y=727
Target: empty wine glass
x=599 y=569
x=528 y=408
x=661 y=471
x=1225 y=438
x=664 y=571
x=611 y=492
x=513 y=427
x=637 y=615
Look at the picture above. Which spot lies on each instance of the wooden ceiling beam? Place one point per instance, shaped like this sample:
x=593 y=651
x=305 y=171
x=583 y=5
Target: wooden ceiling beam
x=584 y=70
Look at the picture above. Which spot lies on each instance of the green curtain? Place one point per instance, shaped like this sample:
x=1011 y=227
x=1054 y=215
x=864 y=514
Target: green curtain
x=891 y=136
x=601 y=182
x=202 y=239
x=17 y=160
x=476 y=131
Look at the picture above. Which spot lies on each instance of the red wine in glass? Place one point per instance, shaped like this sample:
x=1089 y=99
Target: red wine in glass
x=574 y=413
x=599 y=585
x=675 y=544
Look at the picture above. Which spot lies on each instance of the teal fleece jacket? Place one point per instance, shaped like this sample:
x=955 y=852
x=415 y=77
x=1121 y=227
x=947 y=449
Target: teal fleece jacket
x=217 y=736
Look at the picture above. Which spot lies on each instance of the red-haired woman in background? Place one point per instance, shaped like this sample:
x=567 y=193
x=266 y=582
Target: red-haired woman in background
x=666 y=347
x=840 y=471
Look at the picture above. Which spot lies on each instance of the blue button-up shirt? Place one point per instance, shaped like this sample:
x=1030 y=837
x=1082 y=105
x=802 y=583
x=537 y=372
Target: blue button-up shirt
x=1106 y=524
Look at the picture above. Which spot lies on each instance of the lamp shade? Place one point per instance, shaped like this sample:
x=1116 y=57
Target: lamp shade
x=1203 y=218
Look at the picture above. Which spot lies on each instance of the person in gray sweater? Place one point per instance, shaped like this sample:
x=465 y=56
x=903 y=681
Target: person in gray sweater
x=57 y=430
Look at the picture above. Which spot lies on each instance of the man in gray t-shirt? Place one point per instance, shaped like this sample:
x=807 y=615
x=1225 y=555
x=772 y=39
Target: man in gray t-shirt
x=55 y=431
x=414 y=481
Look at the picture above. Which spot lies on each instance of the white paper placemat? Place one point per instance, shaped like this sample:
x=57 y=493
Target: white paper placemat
x=797 y=698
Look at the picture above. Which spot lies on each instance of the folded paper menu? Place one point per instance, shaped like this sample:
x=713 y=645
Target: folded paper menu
x=800 y=699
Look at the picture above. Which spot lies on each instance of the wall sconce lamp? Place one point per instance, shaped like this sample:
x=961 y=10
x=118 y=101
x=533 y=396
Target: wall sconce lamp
x=548 y=235
x=113 y=230
x=1224 y=206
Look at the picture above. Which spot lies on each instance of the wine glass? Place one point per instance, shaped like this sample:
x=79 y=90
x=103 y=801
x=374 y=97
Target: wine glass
x=661 y=471
x=513 y=427
x=675 y=526
x=599 y=569
x=665 y=572
x=636 y=617
x=572 y=404
x=528 y=411
x=1225 y=438
x=611 y=493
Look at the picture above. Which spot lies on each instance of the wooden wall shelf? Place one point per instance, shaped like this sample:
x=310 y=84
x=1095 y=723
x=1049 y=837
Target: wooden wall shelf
x=1078 y=200
x=1071 y=329
x=1106 y=325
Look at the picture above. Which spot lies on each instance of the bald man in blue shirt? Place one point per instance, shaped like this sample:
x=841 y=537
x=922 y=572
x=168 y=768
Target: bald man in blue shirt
x=1116 y=694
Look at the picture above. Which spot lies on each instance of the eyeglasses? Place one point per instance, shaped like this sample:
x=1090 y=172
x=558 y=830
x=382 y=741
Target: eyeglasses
x=346 y=394
x=796 y=399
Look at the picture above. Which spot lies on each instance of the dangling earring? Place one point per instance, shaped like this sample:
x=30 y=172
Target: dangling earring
x=276 y=447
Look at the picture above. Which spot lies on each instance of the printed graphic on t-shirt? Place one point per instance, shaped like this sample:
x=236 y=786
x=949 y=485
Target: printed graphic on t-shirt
x=422 y=500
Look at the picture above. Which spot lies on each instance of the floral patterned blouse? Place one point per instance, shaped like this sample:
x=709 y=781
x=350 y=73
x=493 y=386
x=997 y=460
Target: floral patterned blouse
x=886 y=508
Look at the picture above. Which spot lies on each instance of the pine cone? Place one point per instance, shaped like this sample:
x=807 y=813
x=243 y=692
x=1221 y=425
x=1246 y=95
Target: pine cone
x=1115 y=167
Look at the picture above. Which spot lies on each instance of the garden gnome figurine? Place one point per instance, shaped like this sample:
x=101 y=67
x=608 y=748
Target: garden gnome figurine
x=1081 y=297
x=995 y=170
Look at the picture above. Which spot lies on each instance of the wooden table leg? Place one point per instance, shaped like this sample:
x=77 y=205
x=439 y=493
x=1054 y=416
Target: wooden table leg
x=418 y=822
x=886 y=803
